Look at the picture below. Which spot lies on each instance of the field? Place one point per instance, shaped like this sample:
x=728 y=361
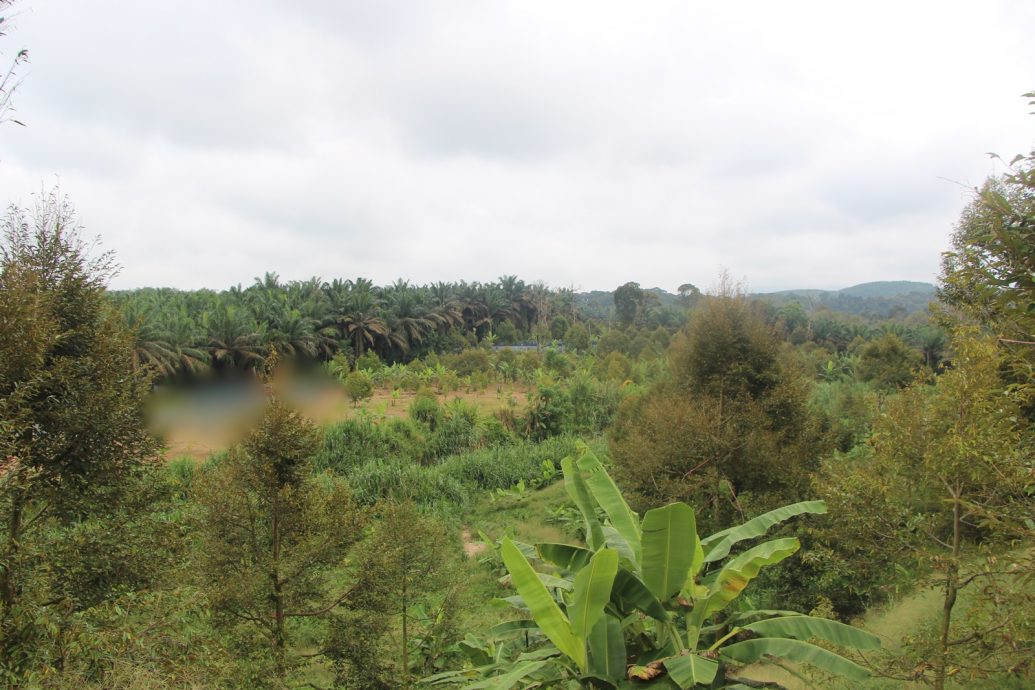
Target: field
x=196 y=422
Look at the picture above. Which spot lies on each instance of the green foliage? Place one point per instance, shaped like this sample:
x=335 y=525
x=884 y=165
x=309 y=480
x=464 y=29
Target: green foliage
x=359 y=386
x=269 y=534
x=76 y=455
x=728 y=429
x=425 y=410
x=352 y=442
x=469 y=362
x=988 y=275
x=402 y=602
x=643 y=591
x=457 y=432
x=576 y=338
x=430 y=487
x=888 y=362
x=369 y=362
x=628 y=303
x=548 y=411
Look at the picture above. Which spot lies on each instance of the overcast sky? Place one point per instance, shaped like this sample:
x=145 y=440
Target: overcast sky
x=586 y=144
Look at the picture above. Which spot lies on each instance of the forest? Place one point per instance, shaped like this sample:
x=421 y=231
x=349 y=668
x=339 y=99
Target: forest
x=504 y=485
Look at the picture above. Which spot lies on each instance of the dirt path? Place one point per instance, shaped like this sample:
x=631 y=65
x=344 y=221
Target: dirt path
x=471 y=547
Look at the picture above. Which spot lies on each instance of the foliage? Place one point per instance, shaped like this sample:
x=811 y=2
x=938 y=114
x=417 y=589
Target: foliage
x=945 y=479
x=403 y=598
x=425 y=410
x=728 y=428
x=650 y=592
x=358 y=386
x=887 y=362
x=270 y=533
x=988 y=275
x=75 y=457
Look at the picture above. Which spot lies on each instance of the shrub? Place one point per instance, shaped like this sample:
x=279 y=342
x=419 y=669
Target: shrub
x=402 y=480
x=549 y=410
x=457 y=433
x=358 y=386
x=353 y=442
x=504 y=466
x=425 y=410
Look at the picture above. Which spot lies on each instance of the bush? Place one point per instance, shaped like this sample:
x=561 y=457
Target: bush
x=576 y=339
x=548 y=413
x=369 y=362
x=469 y=361
x=503 y=467
x=353 y=442
x=457 y=433
x=358 y=386
x=425 y=410
x=495 y=433
x=402 y=480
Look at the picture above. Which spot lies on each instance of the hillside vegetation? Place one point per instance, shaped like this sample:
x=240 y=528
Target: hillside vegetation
x=498 y=486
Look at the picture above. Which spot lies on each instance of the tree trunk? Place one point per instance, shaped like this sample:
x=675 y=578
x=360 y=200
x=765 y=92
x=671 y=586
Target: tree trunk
x=952 y=578
x=278 y=597
x=8 y=590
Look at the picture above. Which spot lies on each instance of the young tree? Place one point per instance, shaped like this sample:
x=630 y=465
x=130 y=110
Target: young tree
x=729 y=421
x=358 y=386
x=272 y=535
x=403 y=600
x=990 y=273
x=74 y=450
x=949 y=478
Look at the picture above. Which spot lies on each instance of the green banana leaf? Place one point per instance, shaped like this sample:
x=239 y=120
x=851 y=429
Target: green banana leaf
x=735 y=576
x=510 y=679
x=691 y=669
x=718 y=545
x=565 y=556
x=592 y=592
x=607 y=649
x=750 y=651
x=616 y=541
x=579 y=492
x=629 y=593
x=668 y=548
x=512 y=627
x=807 y=627
x=606 y=493
x=544 y=609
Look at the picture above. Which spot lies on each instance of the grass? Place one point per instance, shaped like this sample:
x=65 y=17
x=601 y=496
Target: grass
x=189 y=430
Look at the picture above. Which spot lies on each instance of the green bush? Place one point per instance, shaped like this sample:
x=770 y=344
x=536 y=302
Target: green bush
x=425 y=410
x=353 y=442
x=359 y=386
x=429 y=487
x=504 y=466
x=468 y=362
x=548 y=413
x=457 y=433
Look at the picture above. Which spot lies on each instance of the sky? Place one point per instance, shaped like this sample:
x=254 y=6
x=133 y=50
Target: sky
x=584 y=144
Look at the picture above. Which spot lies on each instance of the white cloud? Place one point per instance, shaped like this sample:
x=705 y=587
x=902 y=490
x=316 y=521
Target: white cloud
x=580 y=143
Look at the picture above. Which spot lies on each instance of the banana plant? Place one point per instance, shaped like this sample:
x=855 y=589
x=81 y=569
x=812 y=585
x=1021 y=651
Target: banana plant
x=647 y=603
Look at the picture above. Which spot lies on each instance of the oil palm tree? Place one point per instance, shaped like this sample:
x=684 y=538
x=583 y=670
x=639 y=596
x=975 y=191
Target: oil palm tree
x=233 y=339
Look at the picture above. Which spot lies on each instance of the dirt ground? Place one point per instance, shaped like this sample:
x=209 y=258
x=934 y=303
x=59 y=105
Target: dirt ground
x=200 y=438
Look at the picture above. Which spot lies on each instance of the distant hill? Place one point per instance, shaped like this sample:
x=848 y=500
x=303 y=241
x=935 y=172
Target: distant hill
x=889 y=288
x=880 y=299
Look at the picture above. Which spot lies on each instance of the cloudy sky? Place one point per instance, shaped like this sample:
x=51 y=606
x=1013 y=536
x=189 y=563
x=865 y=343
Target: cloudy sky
x=586 y=144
